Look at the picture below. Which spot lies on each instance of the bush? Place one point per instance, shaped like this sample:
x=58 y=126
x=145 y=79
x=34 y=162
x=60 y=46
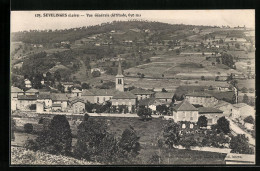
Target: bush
x=28 y=128
x=249 y=119
x=202 y=121
x=239 y=144
x=31 y=145
x=57 y=139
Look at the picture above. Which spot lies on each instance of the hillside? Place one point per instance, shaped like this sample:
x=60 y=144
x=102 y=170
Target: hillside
x=50 y=36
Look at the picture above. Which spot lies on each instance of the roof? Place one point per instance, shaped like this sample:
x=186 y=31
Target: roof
x=87 y=93
x=239 y=105
x=76 y=91
x=32 y=90
x=98 y=92
x=206 y=110
x=56 y=105
x=59 y=97
x=147 y=102
x=184 y=106
x=76 y=99
x=44 y=95
x=16 y=90
x=141 y=91
x=221 y=104
x=165 y=95
x=124 y=95
x=199 y=94
x=27 y=97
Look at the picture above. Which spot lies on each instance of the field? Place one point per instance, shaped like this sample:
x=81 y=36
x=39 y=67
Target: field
x=149 y=132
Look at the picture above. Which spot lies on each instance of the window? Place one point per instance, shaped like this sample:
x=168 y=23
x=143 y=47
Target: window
x=104 y=99
x=119 y=81
x=191 y=126
x=97 y=99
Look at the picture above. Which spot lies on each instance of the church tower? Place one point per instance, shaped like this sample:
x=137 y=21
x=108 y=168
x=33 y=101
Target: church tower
x=119 y=78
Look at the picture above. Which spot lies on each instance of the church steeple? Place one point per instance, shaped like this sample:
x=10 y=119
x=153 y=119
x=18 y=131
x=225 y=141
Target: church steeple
x=119 y=78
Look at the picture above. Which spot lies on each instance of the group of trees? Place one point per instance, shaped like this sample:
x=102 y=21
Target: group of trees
x=94 y=142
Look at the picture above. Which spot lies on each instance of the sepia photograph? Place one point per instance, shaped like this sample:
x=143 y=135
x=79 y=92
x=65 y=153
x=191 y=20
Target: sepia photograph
x=132 y=87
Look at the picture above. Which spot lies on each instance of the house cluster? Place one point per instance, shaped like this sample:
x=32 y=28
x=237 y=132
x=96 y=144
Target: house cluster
x=194 y=104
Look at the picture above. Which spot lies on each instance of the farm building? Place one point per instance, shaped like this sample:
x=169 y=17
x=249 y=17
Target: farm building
x=59 y=101
x=124 y=98
x=201 y=98
x=185 y=111
x=212 y=114
x=45 y=98
x=25 y=101
x=166 y=97
x=141 y=93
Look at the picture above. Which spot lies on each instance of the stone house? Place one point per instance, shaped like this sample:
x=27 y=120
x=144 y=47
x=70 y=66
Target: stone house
x=185 y=111
x=212 y=114
x=201 y=98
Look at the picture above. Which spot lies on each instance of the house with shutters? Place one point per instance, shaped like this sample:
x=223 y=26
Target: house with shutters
x=185 y=111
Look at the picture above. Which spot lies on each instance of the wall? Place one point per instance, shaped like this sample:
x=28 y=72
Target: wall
x=101 y=99
x=185 y=116
x=204 y=101
x=78 y=107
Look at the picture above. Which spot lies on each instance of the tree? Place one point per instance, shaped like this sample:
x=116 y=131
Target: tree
x=61 y=88
x=245 y=99
x=58 y=138
x=129 y=146
x=239 y=144
x=249 y=119
x=155 y=159
x=223 y=125
x=171 y=133
x=28 y=128
x=57 y=75
x=96 y=74
x=85 y=86
x=202 y=121
x=144 y=113
x=217 y=78
x=202 y=78
x=237 y=45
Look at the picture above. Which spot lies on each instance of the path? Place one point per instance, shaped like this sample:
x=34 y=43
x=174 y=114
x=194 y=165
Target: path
x=238 y=130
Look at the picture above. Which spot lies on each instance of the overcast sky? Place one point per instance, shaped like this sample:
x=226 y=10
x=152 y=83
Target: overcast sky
x=26 y=20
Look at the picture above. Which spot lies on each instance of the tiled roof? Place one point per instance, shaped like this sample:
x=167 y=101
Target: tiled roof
x=184 y=106
x=27 y=97
x=124 y=95
x=165 y=95
x=119 y=71
x=199 y=94
x=32 y=90
x=146 y=102
x=59 y=97
x=75 y=100
x=44 y=95
x=76 y=91
x=16 y=90
x=98 y=92
x=137 y=91
x=205 y=110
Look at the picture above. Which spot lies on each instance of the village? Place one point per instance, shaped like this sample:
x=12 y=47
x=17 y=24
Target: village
x=199 y=78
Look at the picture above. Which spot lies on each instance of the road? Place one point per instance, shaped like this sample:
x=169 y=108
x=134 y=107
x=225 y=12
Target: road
x=238 y=130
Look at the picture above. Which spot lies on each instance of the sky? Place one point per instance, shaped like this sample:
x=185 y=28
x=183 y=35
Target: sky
x=26 y=20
